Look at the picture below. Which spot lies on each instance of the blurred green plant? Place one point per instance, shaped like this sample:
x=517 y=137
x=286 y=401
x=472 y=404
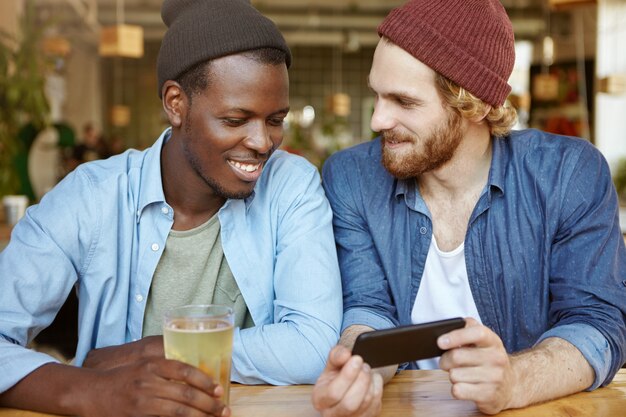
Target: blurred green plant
x=22 y=92
x=619 y=179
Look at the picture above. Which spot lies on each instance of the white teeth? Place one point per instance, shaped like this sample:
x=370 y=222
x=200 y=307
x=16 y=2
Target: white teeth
x=245 y=167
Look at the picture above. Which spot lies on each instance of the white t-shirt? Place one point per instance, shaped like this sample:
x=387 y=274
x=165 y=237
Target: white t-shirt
x=444 y=291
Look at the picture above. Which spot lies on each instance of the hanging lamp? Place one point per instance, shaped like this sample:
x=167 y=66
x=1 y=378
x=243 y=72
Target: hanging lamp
x=121 y=40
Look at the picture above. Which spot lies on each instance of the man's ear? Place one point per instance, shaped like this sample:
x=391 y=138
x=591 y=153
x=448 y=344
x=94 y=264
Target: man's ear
x=175 y=102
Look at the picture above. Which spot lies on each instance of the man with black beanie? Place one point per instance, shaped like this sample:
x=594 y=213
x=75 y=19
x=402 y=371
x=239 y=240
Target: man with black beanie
x=212 y=213
x=450 y=213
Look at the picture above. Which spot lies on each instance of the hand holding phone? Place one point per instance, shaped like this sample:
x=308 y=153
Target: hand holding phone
x=404 y=343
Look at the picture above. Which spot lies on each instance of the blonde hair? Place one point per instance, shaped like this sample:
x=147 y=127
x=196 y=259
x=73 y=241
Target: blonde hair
x=499 y=119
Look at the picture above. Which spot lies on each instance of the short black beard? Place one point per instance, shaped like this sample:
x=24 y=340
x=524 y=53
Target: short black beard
x=193 y=160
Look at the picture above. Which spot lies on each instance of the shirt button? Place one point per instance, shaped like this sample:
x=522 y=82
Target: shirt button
x=165 y=210
x=423 y=230
x=139 y=298
x=155 y=247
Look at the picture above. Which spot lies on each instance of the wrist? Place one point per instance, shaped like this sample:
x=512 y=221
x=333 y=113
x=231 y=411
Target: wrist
x=513 y=400
x=53 y=388
x=78 y=395
x=518 y=397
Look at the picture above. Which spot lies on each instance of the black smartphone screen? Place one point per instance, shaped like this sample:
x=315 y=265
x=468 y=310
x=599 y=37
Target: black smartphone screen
x=404 y=343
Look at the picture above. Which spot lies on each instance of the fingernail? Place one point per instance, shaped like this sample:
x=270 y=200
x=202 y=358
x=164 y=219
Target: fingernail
x=366 y=368
x=218 y=391
x=225 y=412
x=443 y=342
x=356 y=362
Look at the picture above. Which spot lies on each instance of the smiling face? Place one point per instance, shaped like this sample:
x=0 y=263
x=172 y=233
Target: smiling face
x=230 y=129
x=419 y=132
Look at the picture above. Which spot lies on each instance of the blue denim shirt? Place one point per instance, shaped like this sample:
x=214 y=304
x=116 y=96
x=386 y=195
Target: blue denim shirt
x=544 y=252
x=103 y=229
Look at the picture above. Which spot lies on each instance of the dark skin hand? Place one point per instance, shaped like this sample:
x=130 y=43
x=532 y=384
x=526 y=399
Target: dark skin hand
x=132 y=379
x=153 y=387
x=150 y=349
x=148 y=387
x=128 y=353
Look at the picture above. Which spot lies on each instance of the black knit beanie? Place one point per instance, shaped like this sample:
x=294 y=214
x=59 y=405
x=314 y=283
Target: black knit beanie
x=200 y=30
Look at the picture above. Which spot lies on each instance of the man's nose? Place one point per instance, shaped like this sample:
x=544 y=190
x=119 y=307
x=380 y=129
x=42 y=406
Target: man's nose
x=382 y=118
x=259 y=138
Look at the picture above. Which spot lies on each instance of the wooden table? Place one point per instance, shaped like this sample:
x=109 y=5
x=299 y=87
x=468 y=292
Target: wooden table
x=412 y=393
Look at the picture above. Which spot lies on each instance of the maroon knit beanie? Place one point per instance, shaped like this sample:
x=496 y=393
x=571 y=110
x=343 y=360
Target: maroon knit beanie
x=468 y=41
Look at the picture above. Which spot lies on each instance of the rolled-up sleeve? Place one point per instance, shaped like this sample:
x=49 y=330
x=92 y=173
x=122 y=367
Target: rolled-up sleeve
x=591 y=344
x=588 y=269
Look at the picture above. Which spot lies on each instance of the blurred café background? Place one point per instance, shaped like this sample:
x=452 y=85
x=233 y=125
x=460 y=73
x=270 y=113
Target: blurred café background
x=78 y=79
x=78 y=82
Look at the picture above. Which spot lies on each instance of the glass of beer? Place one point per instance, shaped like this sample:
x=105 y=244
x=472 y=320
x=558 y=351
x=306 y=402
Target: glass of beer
x=202 y=336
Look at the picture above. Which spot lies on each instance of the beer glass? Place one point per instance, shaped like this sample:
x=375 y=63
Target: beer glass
x=202 y=336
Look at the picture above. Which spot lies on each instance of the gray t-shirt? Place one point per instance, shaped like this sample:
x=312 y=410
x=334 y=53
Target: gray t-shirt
x=193 y=270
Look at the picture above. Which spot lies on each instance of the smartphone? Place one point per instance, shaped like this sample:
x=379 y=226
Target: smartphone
x=404 y=343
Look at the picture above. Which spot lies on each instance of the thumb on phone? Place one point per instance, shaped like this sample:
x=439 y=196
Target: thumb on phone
x=338 y=357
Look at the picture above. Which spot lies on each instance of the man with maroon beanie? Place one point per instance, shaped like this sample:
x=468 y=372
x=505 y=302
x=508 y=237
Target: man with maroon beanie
x=450 y=213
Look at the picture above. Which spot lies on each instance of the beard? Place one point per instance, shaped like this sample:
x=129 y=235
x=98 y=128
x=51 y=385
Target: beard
x=219 y=189
x=426 y=153
x=196 y=164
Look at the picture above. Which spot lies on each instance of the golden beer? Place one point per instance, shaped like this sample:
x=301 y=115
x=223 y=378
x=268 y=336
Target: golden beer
x=202 y=336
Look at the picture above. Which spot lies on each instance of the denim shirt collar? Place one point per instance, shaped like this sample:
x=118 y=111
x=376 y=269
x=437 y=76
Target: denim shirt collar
x=408 y=189
x=499 y=161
